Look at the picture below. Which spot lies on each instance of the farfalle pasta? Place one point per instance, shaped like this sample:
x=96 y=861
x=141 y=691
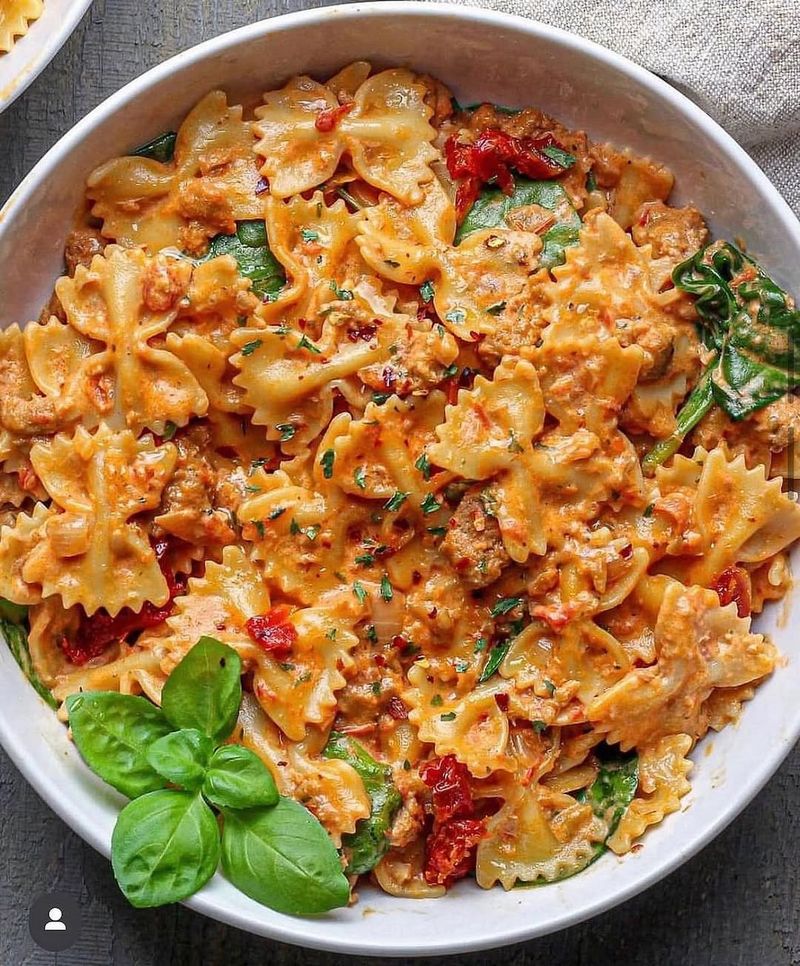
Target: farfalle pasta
x=444 y=436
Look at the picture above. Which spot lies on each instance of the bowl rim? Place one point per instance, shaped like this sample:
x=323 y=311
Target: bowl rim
x=289 y=929
x=34 y=58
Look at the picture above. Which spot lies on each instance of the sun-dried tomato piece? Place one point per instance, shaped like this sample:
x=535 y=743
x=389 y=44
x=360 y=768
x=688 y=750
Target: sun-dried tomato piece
x=448 y=781
x=450 y=850
x=329 y=117
x=96 y=632
x=733 y=586
x=273 y=631
x=491 y=156
x=396 y=708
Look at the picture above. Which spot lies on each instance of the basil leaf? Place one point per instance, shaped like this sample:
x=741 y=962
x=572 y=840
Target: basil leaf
x=283 y=858
x=367 y=845
x=113 y=733
x=205 y=690
x=165 y=847
x=182 y=757
x=492 y=207
x=9 y=611
x=161 y=148
x=238 y=778
x=250 y=247
x=17 y=639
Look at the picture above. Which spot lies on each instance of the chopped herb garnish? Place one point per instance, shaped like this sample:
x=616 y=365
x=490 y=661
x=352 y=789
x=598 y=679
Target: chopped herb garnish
x=259 y=525
x=448 y=716
x=360 y=477
x=379 y=398
x=539 y=726
x=311 y=532
x=496 y=309
x=427 y=291
x=309 y=235
x=395 y=501
x=513 y=442
x=456 y=316
x=372 y=634
x=376 y=688
x=331 y=635
x=504 y=605
x=344 y=294
x=277 y=512
x=424 y=466
x=430 y=504
x=549 y=687
x=460 y=665
x=591 y=182
x=294 y=527
x=306 y=343
x=496 y=657
x=406 y=765
x=483 y=565
x=287 y=665
x=561 y=157
x=252 y=489
x=386 y=588
x=648 y=510
x=451 y=371
x=250 y=347
x=437 y=531
x=327 y=463
x=286 y=430
x=489 y=501
x=360 y=594
x=437 y=701
x=169 y=430
x=365 y=559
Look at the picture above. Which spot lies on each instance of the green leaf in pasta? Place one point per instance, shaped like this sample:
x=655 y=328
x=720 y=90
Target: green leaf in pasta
x=182 y=757
x=613 y=789
x=205 y=690
x=165 y=847
x=161 y=148
x=366 y=846
x=250 y=247
x=283 y=858
x=492 y=208
x=16 y=637
x=9 y=611
x=113 y=733
x=238 y=778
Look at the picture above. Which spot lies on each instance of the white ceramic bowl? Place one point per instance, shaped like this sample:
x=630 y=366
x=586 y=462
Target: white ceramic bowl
x=482 y=55
x=32 y=53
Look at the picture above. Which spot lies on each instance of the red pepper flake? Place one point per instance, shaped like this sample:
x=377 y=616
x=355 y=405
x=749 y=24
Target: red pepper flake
x=733 y=586
x=97 y=631
x=273 y=632
x=501 y=700
x=396 y=708
x=399 y=641
x=626 y=552
x=492 y=155
x=362 y=333
x=328 y=118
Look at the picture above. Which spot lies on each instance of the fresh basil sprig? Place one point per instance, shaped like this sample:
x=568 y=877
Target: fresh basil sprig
x=492 y=207
x=366 y=846
x=173 y=763
x=13 y=618
x=250 y=247
x=753 y=329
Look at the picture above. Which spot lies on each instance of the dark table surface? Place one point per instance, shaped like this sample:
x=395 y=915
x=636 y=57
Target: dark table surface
x=736 y=904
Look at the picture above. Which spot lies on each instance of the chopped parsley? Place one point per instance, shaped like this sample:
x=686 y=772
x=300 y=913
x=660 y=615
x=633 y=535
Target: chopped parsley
x=343 y=294
x=261 y=529
x=437 y=701
x=489 y=501
x=360 y=594
x=169 y=430
x=372 y=634
x=360 y=477
x=277 y=512
x=549 y=687
x=430 y=504
x=365 y=559
x=451 y=371
x=379 y=398
x=539 y=726
x=504 y=605
x=648 y=510
x=306 y=343
x=481 y=644
x=424 y=466
x=386 y=588
x=427 y=291
x=496 y=309
x=309 y=235
x=460 y=665
x=448 y=716
x=437 y=531
x=456 y=316
x=327 y=463
x=331 y=635
x=294 y=527
x=376 y=688
x=250 y=347
x=395 y=501
x=496 y=657
x=286 y=430
x=513 y=442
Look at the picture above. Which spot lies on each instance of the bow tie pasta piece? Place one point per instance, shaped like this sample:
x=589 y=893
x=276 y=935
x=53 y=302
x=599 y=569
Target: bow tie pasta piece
x=209 y=365
x=218 y=298
x=330 y=788
x=16 y=544
x=122 y=301
x=538 y=835
x=699 y=646
x=207 y=186
x=470 y=726
x=304 y=132
x=91 y=552
x=663 y=767
x=473 y=284
x=315 y=243
x=15 y=18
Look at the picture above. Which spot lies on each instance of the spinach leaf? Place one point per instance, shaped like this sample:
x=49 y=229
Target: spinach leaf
x=238 y=778
x=17 y=639
x=367 y=845
x=182 y=757
x=753 y=329
x=250 y=247
x=9 y=611
x=283 y=858
x=492 y=207
x=165 y=847
x=205 y=690
x=613 y=790
x=161 y=148
x=113 y=733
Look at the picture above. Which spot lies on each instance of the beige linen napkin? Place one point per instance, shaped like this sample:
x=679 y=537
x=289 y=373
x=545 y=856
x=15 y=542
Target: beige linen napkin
x=739 y=60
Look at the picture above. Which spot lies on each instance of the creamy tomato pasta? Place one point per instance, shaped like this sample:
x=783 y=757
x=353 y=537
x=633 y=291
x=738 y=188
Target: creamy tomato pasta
x=465 y=440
